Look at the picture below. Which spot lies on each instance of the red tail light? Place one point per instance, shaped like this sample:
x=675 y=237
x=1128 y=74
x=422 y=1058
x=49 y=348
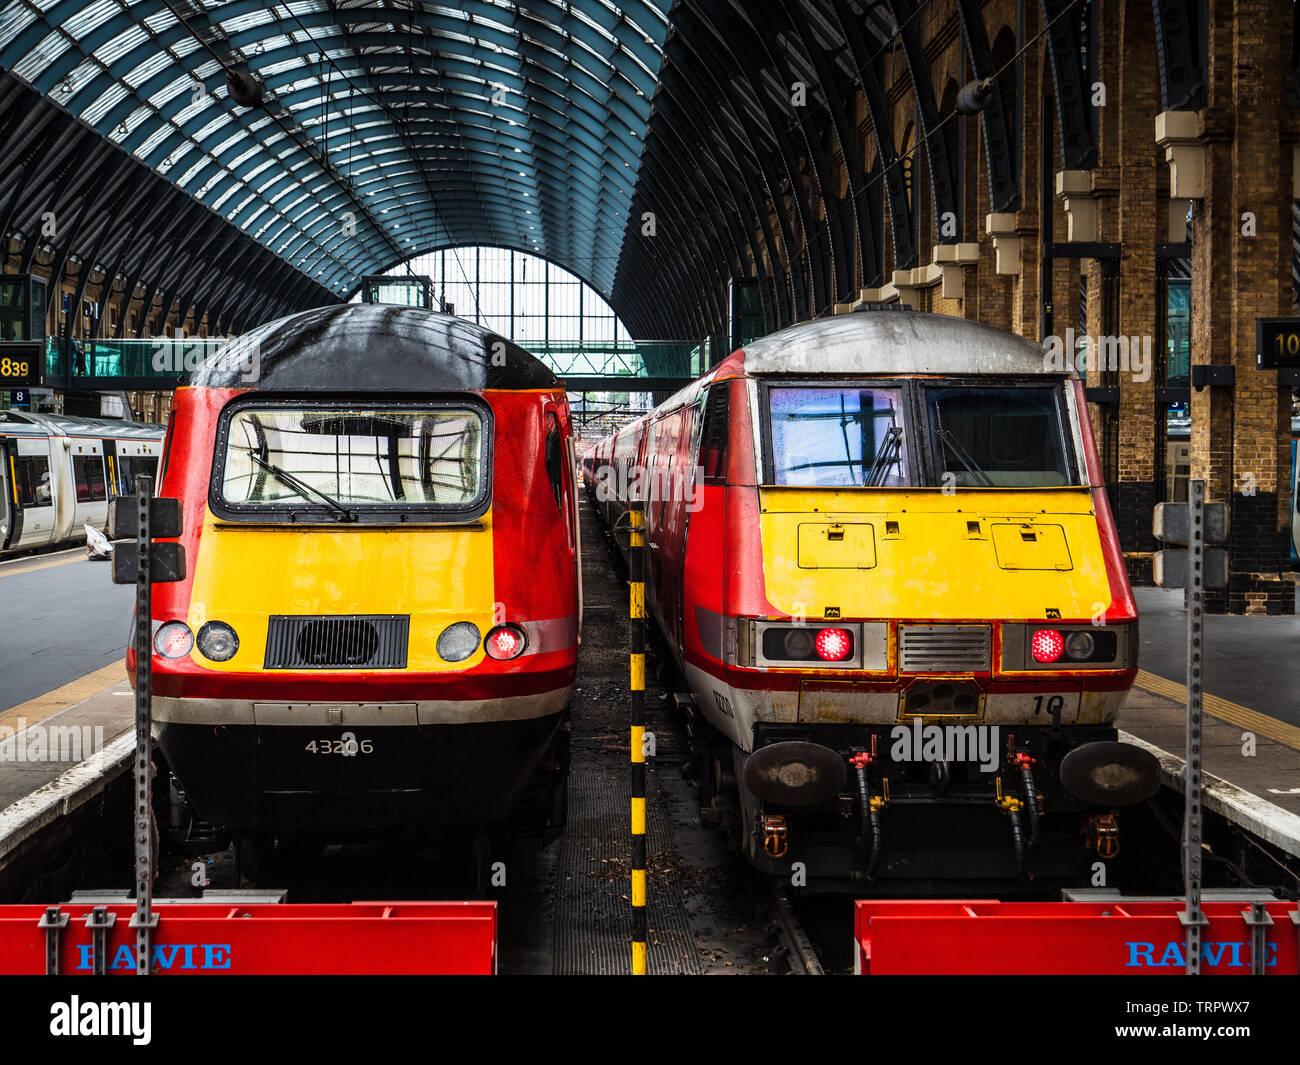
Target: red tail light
x=1047 y=645
x=834 y=645
x=505 y=642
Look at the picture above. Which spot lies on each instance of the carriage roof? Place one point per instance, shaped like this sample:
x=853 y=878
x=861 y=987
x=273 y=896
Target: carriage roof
x=360 y=347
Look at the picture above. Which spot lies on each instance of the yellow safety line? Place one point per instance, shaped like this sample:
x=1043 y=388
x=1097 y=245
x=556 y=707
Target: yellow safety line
x=67 y=695
x=6 y=572
x=1224 y=710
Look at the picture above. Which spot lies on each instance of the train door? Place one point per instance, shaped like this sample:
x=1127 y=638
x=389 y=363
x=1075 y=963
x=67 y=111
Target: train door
x=8 y=495
x=559 y=470
x=110 y=468
x=671 y=480
x=90 y=485
x=577 y=524
x=703 y=569
x=687 y=462
x=36 y=492
x=656 y=434
x=65 y=488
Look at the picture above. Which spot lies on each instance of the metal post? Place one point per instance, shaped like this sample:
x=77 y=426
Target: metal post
x=636 y=575
x=144 y=920
x=1192 y=918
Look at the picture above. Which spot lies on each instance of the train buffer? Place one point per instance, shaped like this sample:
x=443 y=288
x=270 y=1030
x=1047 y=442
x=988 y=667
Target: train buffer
x=195 y=937
x=1132 y=936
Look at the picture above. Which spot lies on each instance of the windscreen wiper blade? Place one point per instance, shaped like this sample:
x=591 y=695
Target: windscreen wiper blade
x=945 y=437
x=886 y=455
x=302 y=487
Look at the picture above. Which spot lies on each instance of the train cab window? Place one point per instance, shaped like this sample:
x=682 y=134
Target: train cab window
x=352 y=463
x=555 y=459
x=33 y=481
x=837 y=437
x=712 y=460
x=1009 y=437
x=88 y=470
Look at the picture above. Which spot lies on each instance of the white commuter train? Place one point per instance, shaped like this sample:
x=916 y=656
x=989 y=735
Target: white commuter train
x=58 y=473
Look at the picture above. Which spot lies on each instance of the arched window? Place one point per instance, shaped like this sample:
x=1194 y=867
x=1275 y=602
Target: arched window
x=521 y=296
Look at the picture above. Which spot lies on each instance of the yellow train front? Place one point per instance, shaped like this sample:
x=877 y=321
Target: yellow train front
x=379 y=624
x=882 y=555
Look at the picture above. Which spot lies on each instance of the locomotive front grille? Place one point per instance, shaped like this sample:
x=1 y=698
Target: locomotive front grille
x=358 y=641
x=943 y=648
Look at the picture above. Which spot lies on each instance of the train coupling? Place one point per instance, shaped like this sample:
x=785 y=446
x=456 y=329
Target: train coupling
x=1007 y=803
x=775 y=834
x=862 y=757
x=1101 y=834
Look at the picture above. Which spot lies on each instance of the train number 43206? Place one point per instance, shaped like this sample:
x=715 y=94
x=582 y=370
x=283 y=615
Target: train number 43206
x=346 y=745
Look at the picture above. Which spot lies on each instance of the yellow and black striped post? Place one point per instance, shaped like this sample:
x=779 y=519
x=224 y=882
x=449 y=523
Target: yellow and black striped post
x=636 y=575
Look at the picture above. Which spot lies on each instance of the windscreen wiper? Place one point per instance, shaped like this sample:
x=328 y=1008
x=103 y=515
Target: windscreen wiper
x=947 y=438
x=886 y=455
x=302 y=487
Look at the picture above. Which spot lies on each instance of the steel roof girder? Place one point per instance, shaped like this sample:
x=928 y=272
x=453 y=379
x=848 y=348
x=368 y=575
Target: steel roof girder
x=1076 y=137
x=819 y=163
x=1003 y=169
x=846 y=137
x=901 y=230
x=942 y=178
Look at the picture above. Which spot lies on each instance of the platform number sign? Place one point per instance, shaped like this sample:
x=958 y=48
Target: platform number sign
x=1277 y=343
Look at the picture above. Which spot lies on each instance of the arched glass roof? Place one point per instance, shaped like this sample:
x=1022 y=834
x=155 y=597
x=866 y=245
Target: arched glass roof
x=388 y=127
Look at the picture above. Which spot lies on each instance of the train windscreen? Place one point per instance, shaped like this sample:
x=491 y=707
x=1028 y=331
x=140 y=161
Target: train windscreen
x=829 y=437
x=998 y=437
x=289 y=458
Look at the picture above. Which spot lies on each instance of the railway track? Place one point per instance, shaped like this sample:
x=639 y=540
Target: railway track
x=799 y=948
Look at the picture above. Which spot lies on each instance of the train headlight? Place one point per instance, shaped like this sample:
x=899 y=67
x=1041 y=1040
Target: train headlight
x=798 y=643
x=173 y=640
x=834 y=645
x=1047 y=645
x=1080 y=645
x=218 y=641
x=458 y=641
x=505 y=642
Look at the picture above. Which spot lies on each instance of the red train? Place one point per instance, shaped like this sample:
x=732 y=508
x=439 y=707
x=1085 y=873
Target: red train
x=379 y=626
x=880 y=553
